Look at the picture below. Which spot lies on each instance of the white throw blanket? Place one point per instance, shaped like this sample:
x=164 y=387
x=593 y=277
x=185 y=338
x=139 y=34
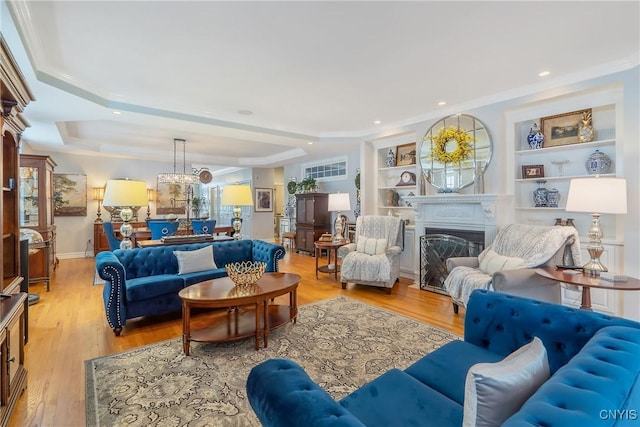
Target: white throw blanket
x=536 y=245
x=372 y=268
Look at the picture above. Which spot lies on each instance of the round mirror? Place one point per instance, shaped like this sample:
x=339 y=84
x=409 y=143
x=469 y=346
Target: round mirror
x=455 y=151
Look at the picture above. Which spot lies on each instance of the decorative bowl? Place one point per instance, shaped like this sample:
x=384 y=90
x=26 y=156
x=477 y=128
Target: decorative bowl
x=246 y=272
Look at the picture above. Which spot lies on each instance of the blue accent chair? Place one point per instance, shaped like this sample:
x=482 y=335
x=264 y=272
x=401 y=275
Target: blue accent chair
x=200 y=226
x=160 y=229
x=114 y=243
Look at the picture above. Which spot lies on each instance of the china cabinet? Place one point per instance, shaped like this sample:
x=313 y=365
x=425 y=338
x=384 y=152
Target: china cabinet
x=36 y=211
x=15 y=96
x=312 y=219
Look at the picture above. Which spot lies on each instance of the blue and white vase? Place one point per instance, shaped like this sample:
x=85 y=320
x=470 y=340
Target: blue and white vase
x=540 y=194
x=598 y=163
x=553 y=198
x=535 y=137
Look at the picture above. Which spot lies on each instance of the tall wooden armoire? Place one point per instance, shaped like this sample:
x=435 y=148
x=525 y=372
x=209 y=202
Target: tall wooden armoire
x=312 y=219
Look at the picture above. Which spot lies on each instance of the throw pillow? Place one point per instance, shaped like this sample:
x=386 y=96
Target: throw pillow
x=360 y=245
x=491 y=262
x=495 y=391
x=194 y=261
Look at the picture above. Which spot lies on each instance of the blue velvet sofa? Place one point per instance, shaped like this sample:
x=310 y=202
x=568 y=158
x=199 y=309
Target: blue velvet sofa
x=144 y=282
x=594 y=362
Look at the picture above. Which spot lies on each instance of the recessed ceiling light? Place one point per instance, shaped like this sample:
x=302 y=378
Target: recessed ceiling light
x=245 y=112
x=441 y=103
x=117 y=113
x=544 y=73
x=376 y=122
x=310 y=143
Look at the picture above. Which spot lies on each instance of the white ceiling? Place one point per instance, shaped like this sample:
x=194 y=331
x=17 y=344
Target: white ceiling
x=310 y=72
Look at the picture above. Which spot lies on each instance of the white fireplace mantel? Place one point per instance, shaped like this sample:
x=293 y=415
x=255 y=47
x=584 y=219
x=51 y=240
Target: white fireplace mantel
x=477 y=212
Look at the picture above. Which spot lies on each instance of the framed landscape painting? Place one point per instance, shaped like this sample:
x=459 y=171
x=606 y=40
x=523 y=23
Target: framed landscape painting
x=69 y=194
x=561 y=129
x=171 y=199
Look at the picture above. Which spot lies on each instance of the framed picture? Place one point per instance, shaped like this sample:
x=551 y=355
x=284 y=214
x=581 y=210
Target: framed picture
x=170 y=198
x=532 y=171
x=69 y=194
x=264 y=200
x=561 y=129
x=406 y=154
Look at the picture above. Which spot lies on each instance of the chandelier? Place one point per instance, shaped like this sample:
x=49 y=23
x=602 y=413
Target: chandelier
x=177 y=177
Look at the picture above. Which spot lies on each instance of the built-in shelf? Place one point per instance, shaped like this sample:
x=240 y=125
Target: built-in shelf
x=560 y=178
x=562 y=148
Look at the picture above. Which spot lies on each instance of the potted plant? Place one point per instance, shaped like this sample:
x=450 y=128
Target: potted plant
x=307 y=185
x=197 y=204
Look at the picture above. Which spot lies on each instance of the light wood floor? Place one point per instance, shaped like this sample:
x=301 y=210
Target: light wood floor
x=68 y=326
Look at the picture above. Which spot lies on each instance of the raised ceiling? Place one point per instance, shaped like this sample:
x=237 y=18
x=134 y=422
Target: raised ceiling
x=314 y=75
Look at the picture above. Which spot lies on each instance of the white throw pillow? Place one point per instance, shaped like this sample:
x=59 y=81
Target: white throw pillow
x=193 y=261
x=360 y=245
x=491 y=262
x=495 y=391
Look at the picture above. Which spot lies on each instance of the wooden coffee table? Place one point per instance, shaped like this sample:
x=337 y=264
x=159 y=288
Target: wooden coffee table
x=248 y=313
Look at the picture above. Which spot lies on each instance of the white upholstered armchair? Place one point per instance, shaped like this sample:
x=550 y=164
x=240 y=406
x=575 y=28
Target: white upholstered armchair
x=508 y=264
x=374 y=256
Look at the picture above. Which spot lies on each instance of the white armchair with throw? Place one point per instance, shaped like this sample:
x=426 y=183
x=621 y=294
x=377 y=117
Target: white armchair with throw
x=508 y=264
x=374 y=257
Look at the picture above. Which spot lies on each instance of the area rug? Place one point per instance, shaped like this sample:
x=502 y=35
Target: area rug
x=342 y=344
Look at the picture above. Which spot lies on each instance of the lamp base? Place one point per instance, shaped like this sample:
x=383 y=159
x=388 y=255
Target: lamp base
x=237 y=222
x=126 y=230
x=594 y=267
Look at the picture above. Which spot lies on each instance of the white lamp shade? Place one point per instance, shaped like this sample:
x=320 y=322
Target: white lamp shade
x=597 y=195
x=125 y=193
x=237 y=195
x=339 y=202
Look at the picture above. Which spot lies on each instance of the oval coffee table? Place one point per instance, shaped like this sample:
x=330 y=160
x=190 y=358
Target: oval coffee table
x=248 y=313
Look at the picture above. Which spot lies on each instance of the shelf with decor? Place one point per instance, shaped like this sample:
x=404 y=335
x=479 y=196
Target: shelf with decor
x=579 y=140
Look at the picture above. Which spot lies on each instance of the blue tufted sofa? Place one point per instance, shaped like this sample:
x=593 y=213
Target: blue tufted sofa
x=144 y=282
x=594 y=362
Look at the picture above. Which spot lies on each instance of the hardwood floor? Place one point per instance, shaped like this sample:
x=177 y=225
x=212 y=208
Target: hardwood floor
x=68 y=326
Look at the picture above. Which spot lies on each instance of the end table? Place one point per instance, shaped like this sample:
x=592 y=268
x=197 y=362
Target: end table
x=331 y=246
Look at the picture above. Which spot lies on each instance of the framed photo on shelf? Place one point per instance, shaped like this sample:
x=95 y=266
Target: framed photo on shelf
x=406 y=154
x=263 y=200
x=532 y=171
x=561 y=129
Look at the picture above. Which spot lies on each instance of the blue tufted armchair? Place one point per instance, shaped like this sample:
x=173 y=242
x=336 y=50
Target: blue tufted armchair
x=114 y=243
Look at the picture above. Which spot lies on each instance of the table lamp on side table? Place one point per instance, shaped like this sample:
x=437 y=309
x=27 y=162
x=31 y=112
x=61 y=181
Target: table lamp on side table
x=339 y=202
x=125 y=194
x=598 y=196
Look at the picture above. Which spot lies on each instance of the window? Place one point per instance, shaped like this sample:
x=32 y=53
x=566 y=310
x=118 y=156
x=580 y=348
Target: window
x=326 y=170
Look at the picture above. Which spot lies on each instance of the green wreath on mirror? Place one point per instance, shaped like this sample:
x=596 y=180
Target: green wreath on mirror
x=291 y=187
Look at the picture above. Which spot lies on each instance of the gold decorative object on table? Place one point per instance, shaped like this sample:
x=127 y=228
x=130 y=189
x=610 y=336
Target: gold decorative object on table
x=246 y=272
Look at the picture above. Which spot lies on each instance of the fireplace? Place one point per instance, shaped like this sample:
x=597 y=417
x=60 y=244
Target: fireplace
x=475 y=218
x=439 y=244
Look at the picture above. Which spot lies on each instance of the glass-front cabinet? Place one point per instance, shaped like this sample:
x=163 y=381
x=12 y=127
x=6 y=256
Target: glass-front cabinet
x=36 y=212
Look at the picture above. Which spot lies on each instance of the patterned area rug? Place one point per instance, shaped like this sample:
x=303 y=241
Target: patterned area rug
x=342 y=343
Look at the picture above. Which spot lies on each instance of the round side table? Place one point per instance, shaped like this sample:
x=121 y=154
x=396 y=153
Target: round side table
x=331 y=246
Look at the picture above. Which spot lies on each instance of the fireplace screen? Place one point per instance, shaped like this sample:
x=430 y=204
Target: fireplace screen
x=435 y=249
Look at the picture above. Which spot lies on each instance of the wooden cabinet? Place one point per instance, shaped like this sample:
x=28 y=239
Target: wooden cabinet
x=36 y=211
x=15 y=96
x=13 y=375
x=100 y=242
x=312 y=219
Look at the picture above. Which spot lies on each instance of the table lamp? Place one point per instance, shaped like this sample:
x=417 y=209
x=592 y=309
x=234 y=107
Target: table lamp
x=98 y=194
x=125 y=194
x=339 y=202
x=237 y=195
x=598 y=196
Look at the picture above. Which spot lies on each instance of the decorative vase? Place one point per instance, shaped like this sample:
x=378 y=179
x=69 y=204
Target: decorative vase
x=391 y=158
x=535 y=137
x=540 y=194
x=553 y=198
x=478 y=182
x=598 y=163
x=585 y=128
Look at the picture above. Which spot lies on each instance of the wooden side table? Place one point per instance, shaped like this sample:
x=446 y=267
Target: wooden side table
x=331 y=246
x=587 y=282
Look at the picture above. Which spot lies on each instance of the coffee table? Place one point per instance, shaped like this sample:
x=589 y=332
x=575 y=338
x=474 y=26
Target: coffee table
x=248 y=313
